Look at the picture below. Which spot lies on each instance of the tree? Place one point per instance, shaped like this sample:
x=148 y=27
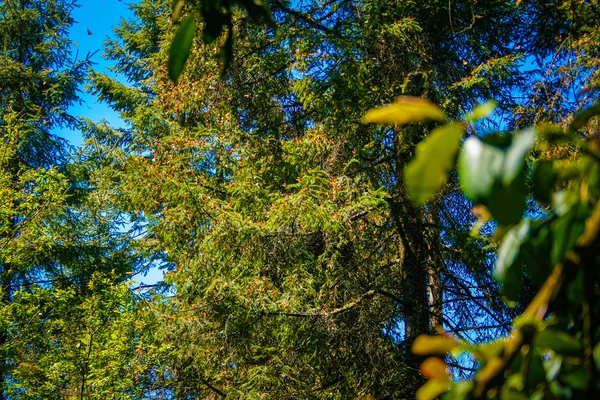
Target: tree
x=61 y=255
x=300 y=266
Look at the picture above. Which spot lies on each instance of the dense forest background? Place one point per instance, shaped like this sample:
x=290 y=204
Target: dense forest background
x=334 y=189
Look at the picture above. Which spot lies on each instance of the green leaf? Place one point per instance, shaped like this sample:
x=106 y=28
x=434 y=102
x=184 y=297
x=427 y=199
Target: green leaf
x=478 y=166
x=567 y=229
x=597 y=356
x=535 y=372
x=559 y=342
x=482 y=110
x=554 y=135
x=535 y=252
x=405 y=110
x=510 y=247
x=576 y=379
x=181 y=46
x=544 y=179
x=508 y=203
x=434 y=159
x=552 y=366
x=514 y=161
x=495 y=178
x=177 y=8
x=508 y=270
x=431 y=390
x=576 y=289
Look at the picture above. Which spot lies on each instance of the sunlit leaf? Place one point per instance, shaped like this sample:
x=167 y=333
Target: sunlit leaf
x=177 y=8
x=439 y=344
x=514 y=161
x=434 y=158
x=405 y=110
x=478 y=166
x=431 y=390
x=597 y=356
x=482 y=110
x=552 y=367
x=181 y=46
x=436 y=369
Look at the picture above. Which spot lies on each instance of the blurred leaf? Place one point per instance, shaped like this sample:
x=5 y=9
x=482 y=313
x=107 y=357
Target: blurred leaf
x=508 y=203
x=514 y=160
x=259 y=12
x=482 y=110
x=552 y=366
x=535 y=371
x=434 y=158
x=435 y=369
x=489 y=370
x=576 y=379
x=597 y=355
x=575 y=289
x=405 y=110
x=177 y=8
x=460 y=391
x=567 y=229
x=583 y=117
x=431 y=390
x=439 y=344
x=214 y=20
x=510 y=248
x=478 y=165
x=181 y=46
x=554 y=134
x=535 y=252
x=498 y=139
x=544 y=180
x=559 y=342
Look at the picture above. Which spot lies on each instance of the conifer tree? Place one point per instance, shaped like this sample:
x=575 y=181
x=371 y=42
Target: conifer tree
x=61 y=256
x=299 y=266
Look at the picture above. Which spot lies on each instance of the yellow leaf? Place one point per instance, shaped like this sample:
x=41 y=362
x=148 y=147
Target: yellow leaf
x=435 y=369
x=405 y=110
x=426 y=344
x=431 y=390
x=492 y=368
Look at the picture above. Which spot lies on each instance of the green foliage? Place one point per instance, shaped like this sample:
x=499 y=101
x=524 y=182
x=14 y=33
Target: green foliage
x=433 y=161
x=298 y=265
x=551 y=349
x=65 y=311
x=216 y=16
x=180 y=49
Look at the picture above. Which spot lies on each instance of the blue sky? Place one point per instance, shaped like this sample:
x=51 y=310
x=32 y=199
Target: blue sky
x=99 y=17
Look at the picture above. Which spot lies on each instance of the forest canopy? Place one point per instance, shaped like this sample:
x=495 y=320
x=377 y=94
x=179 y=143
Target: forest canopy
x=378 y=199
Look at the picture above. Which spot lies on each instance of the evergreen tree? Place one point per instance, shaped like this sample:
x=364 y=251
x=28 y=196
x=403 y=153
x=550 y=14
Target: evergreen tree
x=299 y=265
x=61 y=255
